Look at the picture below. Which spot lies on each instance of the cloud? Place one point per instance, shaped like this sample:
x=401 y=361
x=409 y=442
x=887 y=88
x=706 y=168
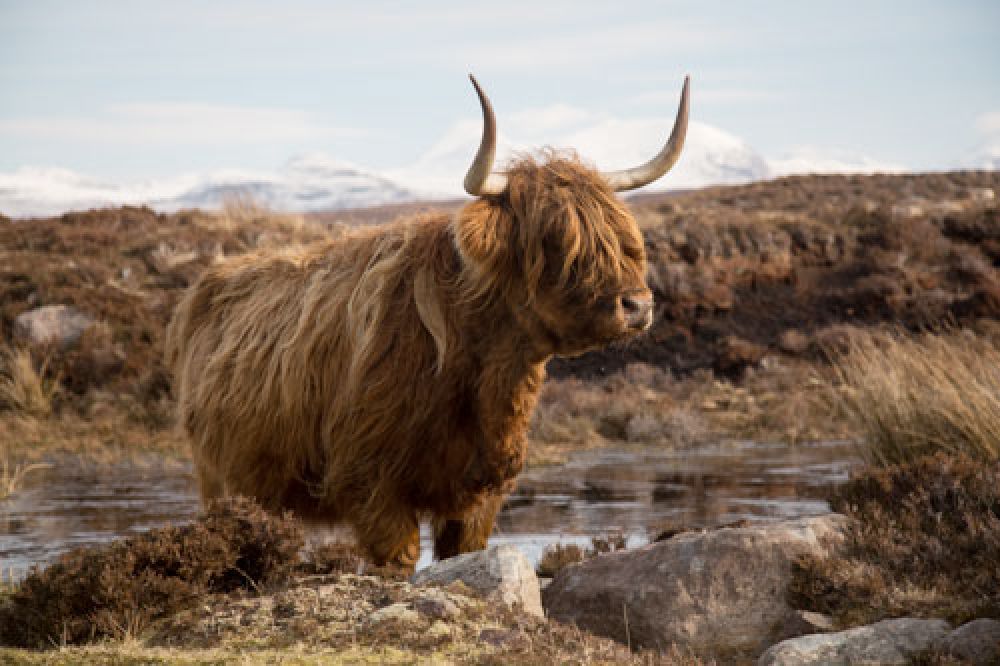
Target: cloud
x=989 y=123
x=171 y=123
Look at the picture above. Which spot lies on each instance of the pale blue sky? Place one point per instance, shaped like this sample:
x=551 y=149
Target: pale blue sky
x=131 y=90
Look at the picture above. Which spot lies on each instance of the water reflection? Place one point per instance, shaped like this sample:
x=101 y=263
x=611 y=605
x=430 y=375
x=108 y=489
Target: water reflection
x=638 y=493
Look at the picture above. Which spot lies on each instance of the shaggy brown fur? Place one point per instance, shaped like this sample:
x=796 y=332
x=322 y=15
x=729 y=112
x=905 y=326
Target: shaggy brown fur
x=390 y=375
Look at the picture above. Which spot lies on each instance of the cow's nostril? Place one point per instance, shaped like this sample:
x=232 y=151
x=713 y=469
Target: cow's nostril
x=637 y=311
x=630 y=305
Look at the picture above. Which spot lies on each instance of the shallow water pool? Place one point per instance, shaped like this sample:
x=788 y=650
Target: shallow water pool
x=638 y=493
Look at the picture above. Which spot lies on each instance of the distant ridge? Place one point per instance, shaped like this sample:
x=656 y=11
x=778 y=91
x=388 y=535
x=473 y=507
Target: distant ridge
x=317 y=183
x=304 y=184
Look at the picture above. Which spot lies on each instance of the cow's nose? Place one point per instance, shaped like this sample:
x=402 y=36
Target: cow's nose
x=638 y=310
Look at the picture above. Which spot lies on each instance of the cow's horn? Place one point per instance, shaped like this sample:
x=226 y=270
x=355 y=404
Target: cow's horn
x=480 y=179
x=629 y=179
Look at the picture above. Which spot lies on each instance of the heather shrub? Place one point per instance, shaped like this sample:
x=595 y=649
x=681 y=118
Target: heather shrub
x=117 y=590
x=925 y=541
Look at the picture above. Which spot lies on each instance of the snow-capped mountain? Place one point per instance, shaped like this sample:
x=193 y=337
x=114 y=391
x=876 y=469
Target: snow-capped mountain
x=307 y=183
x=304 y=184
x=711 y=156
x=319 y=183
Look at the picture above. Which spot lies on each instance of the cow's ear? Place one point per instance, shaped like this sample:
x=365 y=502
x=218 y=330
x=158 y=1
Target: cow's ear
x=483 y=236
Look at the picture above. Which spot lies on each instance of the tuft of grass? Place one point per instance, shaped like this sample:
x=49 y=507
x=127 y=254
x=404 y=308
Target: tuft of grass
x=22 y=387
x=242 y=212
x=13 y=475
x=558 y=556
x=924 y=542
x=116 y=591
x=913 y=396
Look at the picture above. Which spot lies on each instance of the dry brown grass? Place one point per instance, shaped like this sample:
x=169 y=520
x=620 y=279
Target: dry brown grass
x=911 y=396
x=260 y=225
x=12 y=475
x=640 y=405
x=23 y=389
x=787 y=401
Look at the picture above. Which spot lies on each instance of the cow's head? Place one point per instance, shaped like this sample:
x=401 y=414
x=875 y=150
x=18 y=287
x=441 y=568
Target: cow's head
x=551 y=237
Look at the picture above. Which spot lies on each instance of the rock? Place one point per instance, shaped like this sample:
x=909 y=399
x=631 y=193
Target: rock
x=439 y=629
x=435 y=603
x=886 y=642
x=977 y=642
x=60 y=324
x=982 y=194
x=793 y=341
x=501 y=572
x=721 y=590
x=399 y=612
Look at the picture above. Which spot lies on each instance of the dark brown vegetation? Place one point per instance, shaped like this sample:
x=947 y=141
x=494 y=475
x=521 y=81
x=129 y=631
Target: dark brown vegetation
x=125 y=267
x=925 y=543
x=118 y=590
x=784 y=265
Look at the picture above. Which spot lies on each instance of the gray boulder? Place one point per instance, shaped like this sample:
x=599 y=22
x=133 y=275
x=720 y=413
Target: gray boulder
x=887 y=642
x=501 y=572
x=977 y=642
x=717 y=591
x=59 y=324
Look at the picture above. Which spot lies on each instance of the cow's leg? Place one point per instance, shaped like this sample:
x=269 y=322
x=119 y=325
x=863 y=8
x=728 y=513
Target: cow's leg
x=392 y=536
x=453 y=536
x=210 y=484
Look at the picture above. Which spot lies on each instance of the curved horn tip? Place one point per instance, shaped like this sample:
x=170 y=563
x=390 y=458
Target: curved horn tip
x=630 y=179
x=480 y=179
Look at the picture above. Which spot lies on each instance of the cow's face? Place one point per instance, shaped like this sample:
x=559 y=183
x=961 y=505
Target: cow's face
x=568 y=254
x=592 y=289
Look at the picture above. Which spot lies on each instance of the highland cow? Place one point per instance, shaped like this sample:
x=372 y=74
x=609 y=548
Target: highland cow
x=389 y=376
